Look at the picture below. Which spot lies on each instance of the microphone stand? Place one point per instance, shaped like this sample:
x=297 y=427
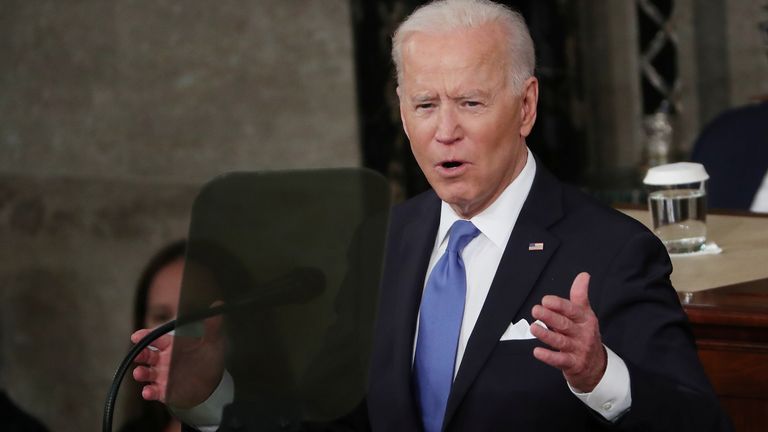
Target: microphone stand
x=109 y=406
x=298 y=286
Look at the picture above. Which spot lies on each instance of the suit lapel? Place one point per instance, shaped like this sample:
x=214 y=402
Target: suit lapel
x=413 y=252
x=515 y=278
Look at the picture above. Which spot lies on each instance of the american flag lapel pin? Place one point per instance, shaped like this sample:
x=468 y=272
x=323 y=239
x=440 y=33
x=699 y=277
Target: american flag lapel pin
x=535 y=246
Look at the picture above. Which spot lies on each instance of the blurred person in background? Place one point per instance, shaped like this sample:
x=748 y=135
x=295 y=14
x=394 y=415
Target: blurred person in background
x=733 y=147
x=157 y=302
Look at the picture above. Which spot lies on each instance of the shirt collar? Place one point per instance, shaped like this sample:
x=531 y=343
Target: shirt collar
x=497 y=221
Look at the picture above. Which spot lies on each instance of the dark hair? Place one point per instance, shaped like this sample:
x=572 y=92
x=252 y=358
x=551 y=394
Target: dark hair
x=162 y=258
x=152 y=415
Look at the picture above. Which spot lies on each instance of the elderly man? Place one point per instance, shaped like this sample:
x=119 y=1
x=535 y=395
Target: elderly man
x=499 y=244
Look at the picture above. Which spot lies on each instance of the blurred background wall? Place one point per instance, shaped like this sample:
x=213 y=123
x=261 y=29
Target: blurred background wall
x=113 y=113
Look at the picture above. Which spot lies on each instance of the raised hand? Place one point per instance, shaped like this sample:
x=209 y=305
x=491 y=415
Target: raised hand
x=197 y=367
x=574 y=333
x=153 y=365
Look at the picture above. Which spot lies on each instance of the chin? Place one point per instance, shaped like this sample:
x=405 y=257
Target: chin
x=456 y=198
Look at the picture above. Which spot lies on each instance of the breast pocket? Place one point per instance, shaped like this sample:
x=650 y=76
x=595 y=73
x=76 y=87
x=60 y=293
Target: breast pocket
x=519 y=346
x=513 y=365
x=515 y=380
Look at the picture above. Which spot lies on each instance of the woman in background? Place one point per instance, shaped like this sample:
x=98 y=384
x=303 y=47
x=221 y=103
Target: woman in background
x=157 y=302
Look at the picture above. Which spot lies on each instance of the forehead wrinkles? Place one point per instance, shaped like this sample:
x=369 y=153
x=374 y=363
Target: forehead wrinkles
x=454 y=63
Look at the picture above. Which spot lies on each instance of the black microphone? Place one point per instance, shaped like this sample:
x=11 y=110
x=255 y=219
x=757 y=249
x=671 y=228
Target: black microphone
x=295 y=287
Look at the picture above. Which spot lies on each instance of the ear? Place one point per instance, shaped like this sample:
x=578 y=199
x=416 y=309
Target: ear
x=529 y=100
x=402 y=114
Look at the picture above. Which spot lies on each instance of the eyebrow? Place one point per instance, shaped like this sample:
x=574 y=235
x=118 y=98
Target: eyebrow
x=471 y=94
x=423 y=97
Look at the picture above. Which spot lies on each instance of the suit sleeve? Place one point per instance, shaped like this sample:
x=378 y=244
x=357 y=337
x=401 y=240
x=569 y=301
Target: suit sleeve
x=643 y=322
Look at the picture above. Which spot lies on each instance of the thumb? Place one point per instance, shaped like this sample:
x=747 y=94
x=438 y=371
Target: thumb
x=580 y=290
x=139 y=335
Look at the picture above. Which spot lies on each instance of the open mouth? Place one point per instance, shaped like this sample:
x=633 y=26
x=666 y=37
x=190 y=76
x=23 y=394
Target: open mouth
x=451 y=164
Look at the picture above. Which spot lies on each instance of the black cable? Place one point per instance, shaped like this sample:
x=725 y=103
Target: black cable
x=109 y=406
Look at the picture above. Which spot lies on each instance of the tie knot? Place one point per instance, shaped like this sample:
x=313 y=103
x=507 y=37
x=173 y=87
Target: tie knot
x=462 y=232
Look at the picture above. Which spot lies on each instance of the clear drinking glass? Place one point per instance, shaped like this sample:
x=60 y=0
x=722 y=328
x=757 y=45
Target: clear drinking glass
x=677 y=201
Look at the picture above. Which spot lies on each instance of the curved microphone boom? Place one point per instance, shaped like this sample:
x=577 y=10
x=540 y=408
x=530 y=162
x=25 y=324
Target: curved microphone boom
x=296 y=287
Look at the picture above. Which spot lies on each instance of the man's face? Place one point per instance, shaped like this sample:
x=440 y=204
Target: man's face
x=467 y=127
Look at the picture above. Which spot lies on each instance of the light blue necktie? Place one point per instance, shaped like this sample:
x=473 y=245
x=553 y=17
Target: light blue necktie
x=441 y=312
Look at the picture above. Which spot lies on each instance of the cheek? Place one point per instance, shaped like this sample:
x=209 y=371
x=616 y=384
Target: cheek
x=498 y=138
x=420 y=125
x=420 y=139
x=422 y=159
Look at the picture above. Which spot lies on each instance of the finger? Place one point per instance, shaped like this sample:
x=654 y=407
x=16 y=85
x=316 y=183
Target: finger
x=148 y=357
x=139 y=335
x=555 y=359
x=163 y=343
x=553 y=339
x=145 y=374
x=563 y=307
x=553 y=320
x=152 y=392
x=580 y=290
x=160 y=343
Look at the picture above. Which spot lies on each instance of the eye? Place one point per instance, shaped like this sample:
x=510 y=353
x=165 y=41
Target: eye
x=472 y=104
x=424 y=106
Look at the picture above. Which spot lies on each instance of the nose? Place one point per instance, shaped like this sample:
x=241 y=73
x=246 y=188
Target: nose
x=448 y=127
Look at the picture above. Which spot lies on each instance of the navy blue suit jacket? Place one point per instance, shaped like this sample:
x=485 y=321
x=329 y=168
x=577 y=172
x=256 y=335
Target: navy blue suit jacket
x=500 y=385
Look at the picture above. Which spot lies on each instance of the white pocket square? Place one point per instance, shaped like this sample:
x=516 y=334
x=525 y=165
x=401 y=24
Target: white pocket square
x=520 y=330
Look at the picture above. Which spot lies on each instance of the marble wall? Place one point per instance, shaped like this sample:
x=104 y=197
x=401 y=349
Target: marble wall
x=112 y=114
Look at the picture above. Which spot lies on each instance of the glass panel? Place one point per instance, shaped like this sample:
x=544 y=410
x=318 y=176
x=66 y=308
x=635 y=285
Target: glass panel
x=295 y=257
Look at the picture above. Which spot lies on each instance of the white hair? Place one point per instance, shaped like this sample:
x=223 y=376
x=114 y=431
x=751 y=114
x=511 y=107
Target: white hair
x=443 y=16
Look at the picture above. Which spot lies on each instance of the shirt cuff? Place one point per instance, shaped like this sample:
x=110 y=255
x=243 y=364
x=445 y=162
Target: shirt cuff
x=207 y=416
x=612 y=396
